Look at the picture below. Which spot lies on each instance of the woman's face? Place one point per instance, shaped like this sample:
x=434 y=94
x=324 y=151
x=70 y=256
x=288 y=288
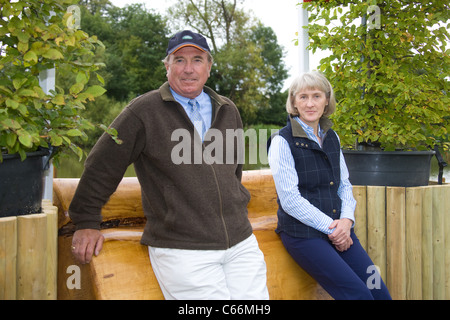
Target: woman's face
x=311 y=104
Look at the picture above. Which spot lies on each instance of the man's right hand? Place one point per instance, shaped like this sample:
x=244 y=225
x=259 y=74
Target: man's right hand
x=85 y=243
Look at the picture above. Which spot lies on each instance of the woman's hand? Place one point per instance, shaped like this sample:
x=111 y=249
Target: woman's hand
x=341 y=235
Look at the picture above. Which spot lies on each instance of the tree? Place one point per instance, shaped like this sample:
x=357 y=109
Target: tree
x=238 y=74
x=248 y=68
x=219 y=20
x=35 y=36
x=272 y=54
x=390 y=72
x=134 y=44
x=96 y=6
x=135 y=40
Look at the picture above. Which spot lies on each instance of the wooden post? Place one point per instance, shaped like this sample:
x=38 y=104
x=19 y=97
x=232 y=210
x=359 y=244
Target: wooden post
x=438 y=243
x=376 y=227
x=360 y=195
x=445 y=189
x=32 y=257
x=396 y=242
x=427 y=244
x=414 y=197
x=52 y=249
x=8 y=258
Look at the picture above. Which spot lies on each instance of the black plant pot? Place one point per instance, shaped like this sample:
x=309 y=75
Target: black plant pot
x=385 y=168
x=22 y=183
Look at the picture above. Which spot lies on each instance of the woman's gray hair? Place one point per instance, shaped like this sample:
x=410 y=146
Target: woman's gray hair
x=311 y=80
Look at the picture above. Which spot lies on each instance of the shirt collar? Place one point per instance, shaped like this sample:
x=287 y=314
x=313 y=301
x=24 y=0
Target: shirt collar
x=297 y=129
x=184 y=99
x=308 y=129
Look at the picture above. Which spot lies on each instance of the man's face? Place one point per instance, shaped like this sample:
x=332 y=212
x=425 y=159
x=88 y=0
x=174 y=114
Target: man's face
x=187 y=71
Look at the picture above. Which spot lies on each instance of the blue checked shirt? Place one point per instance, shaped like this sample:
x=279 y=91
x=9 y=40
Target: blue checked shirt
x=205 y=106
x=286 y=182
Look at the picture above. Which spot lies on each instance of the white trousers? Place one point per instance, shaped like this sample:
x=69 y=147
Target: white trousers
x=236 y=273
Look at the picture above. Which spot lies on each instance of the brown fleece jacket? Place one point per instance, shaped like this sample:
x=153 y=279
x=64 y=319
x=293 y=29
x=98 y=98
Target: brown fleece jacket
x=187 y=206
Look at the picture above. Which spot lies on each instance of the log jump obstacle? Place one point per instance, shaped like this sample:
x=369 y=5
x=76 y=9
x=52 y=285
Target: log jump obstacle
x=406 y=232
x=123 y=269
x=29 y=256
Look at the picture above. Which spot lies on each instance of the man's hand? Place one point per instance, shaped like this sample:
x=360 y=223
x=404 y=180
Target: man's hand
x=341 y=235
x=85 y=243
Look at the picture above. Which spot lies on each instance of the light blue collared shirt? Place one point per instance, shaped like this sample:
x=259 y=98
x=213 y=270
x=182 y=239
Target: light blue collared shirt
x=204 y=102
x=285 y=176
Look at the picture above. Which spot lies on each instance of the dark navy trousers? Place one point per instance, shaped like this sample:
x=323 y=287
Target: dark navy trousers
x=348 y=275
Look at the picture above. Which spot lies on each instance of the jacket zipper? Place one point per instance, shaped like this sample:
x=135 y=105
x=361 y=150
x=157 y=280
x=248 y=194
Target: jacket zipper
x=221 y=209
x=227 y=237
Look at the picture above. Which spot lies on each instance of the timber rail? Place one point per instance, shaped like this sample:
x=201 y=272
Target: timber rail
x=406 y=231
x=123 y=269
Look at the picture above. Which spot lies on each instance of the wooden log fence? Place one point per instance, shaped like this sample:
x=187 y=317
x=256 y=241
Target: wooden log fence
x=28 y=255
x=406 y=232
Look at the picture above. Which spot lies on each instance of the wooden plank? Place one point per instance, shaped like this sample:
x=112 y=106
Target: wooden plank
x=286 y=280
x=406 y=214
x=396 y=242
x=52 y=250
x=261 y=186
x=438 y=244
x=123 y=269
x=413 y=230
x=427 y=244
x=376 y=227
x=124 y=204
x=124 y=260
x=67 y=279
x=32 y=257
x=360 y=195
x=8 y=258
x=446 y=210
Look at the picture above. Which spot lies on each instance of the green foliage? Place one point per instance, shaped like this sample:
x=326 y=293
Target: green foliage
x=124 y=58
x=238 y=74
x=248 y=66
x=135 y=40
x=272 y=55
x=390 y=73
x=36 y=36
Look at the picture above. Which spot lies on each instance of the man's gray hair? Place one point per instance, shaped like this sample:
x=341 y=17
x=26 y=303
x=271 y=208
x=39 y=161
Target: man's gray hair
x=210 y=58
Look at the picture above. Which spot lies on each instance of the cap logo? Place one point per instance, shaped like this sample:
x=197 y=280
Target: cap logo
x=187 y=38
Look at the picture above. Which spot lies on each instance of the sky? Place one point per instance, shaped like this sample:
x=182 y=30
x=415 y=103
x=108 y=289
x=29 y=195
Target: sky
x=281 y=16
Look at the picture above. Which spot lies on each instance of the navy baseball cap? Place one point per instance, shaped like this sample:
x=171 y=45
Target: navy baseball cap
x=187 y=38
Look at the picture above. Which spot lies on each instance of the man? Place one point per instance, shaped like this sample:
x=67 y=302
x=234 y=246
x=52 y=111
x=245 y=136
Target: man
x=200 y=240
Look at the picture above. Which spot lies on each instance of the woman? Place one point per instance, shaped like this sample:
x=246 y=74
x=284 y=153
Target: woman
x=316 y=204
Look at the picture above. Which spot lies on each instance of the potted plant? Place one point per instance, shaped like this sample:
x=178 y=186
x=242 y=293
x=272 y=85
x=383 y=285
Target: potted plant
x=36 y=36
x=389 y=65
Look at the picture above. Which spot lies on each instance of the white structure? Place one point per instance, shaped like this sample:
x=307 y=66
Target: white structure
x=303 y=40
x=47 y=83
